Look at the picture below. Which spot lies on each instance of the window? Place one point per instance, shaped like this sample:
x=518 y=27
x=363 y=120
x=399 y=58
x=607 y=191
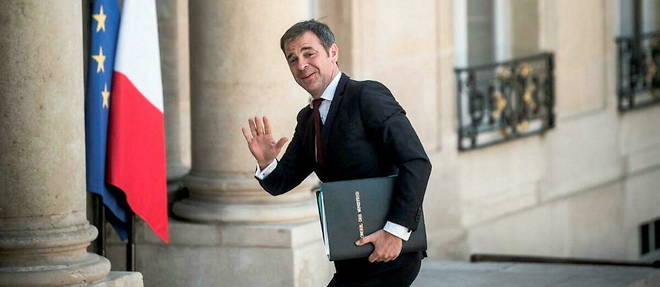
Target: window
x=638 y=54
x=649 y=239
x=505 y=85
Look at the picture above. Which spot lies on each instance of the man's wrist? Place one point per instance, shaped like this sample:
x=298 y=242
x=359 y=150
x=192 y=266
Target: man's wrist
x=397 y=230
x=262 y=173
x=263 y=165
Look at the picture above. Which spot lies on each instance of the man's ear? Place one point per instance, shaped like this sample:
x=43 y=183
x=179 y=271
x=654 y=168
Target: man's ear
x=334 y=52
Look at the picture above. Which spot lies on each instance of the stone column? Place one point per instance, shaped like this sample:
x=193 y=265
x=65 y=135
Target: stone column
x=238 y=71
x=443 y=210
x=175 y=65
x=44 y=232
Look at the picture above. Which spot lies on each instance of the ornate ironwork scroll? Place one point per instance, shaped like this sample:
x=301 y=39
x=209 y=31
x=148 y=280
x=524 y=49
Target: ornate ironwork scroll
x=638 y=75
x=503 y=101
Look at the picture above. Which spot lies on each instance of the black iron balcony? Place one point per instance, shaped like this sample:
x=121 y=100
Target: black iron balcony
x=638 y=78
x=504 y=101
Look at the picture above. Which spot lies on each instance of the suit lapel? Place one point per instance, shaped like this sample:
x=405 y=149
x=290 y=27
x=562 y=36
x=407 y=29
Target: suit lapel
x=336 y=102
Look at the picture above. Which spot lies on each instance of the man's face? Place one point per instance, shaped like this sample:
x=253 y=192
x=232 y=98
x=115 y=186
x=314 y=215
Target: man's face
x=311 y=66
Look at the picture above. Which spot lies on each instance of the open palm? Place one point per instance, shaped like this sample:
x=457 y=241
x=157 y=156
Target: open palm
x=260 y=141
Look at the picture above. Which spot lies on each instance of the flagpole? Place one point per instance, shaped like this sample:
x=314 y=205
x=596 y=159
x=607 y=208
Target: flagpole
x=100 y=224
x=130 y=247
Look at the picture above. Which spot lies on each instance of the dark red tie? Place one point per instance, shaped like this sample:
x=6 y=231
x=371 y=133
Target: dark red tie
x=317 y=128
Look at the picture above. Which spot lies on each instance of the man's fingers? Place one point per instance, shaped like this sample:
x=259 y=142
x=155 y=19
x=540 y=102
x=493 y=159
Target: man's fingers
x=260 y=126
x=365 y=240
x=390 y=258
x=373 y=257
x=281 y=143
x=384 y=250
x=379 y=256
x=361 y=242
x=253 y=127
x=247 y=136
x=266 y=126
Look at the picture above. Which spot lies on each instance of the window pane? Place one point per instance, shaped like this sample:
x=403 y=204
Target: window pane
x=644 y=238
x=656 y=227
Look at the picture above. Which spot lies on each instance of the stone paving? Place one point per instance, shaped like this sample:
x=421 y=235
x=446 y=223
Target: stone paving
x=437 y=273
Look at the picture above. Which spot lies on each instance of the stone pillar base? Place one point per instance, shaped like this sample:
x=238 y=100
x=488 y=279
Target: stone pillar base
x=120 y=279
x=229 y=255
x=175 y=175
x=234 y=212
x=64 y=274
x=67 y=273
x=239 y=199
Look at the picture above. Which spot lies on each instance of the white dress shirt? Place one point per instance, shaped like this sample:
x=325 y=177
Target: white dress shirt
x=327 y=96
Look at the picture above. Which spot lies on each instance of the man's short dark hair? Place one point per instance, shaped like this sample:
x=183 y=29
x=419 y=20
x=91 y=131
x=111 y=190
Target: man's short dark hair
x=322 y=31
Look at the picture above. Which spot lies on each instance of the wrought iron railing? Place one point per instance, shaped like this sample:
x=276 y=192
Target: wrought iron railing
x=638 y=75
x=504 y=101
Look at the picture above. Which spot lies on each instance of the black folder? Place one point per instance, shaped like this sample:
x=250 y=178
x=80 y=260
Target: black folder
x=353 y=209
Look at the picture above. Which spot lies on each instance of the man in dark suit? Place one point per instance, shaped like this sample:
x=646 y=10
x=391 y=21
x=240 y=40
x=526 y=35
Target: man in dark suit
x=351 y=130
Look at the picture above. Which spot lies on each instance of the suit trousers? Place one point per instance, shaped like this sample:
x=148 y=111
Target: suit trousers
x=401 y=276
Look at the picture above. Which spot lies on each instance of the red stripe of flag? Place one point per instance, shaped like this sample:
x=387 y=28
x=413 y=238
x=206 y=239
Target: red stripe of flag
x=136 y=153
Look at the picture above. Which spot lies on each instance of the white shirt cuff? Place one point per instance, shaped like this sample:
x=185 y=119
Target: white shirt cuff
x=397 y=230
x=261 y=174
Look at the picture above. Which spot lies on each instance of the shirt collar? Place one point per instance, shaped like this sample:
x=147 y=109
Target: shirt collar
x=329 y=92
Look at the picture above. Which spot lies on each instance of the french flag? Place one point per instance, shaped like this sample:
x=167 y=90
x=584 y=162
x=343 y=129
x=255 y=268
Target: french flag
x=136 y=136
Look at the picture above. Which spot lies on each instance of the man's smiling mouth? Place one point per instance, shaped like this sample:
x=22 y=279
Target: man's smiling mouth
x=308 y=76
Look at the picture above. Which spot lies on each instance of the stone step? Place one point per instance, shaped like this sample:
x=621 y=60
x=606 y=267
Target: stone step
x=121 y=279
x=437 y=273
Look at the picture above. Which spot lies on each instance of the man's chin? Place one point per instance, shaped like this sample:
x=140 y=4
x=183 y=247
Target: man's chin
x=310 y=90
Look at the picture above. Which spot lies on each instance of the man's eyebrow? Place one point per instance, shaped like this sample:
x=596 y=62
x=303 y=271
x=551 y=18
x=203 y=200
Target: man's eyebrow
x=305 y=48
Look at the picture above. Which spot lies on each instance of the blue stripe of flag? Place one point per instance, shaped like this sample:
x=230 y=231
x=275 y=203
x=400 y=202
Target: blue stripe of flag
x=103 y=42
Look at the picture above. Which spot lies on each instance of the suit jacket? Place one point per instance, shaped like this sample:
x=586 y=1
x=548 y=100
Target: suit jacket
x=366 y=134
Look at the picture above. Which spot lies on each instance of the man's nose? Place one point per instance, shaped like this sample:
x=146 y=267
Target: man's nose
x=302 y=64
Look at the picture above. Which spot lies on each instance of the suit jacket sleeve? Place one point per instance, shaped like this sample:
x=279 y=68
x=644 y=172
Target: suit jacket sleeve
x=294 y=166
x=388 y=126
